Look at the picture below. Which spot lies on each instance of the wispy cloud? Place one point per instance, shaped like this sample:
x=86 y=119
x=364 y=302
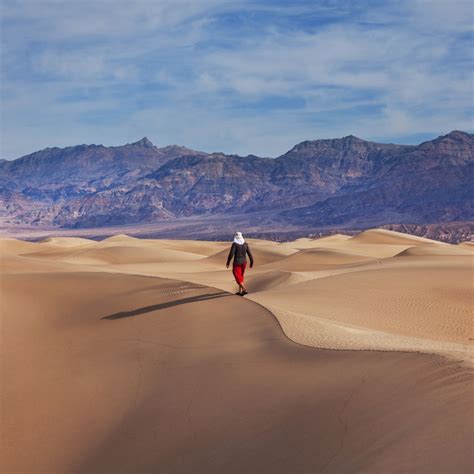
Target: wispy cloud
x=242 y=76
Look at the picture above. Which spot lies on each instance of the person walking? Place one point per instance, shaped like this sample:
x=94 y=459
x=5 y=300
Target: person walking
x=239 y=251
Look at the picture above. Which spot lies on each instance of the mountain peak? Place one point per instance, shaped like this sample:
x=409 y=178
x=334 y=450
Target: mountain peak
x=458 y=134
x=326 y=146
x=145 y=142
x=352 y=137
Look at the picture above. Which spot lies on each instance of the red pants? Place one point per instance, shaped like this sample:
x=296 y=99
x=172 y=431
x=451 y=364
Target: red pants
x=238 y=271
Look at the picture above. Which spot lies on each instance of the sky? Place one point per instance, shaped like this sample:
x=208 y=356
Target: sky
x=240 y=76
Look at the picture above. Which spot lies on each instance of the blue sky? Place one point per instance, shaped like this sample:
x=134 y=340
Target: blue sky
x=241 y=76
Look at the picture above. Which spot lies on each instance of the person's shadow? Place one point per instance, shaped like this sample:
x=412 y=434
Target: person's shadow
x=168 y=304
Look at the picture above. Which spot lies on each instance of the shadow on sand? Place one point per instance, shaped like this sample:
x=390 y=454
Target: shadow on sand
x=168 y=304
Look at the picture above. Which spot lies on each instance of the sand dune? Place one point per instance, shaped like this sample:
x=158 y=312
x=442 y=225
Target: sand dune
x=67 y=241
x=195 y=246
x=318 y=259
x=10 y=246
x=122 y=238
x=437 y=251
x=24 y=264
x=264 y=254
x=410 y=301
x=301 y=244
x=119 y=254
x=160 y=375
x=204 y=248
x=369 y=245
x=264 y=281
x=373 y=250
x=326 y=281
x=134 y=356
x=383 y=236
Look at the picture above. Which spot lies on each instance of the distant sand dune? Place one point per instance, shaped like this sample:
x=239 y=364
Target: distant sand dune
x=121 y=238
x=263 y=253
x=131 y=254
x=304 y=243
x=317 y=259
x=115 y=254
x=67 y=241
x=383 y=236
x=194 y=246
x=10 y=246
x=373 y=250
x=25 y=264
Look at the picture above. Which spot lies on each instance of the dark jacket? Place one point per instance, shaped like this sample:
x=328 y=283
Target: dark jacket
x=239 y=252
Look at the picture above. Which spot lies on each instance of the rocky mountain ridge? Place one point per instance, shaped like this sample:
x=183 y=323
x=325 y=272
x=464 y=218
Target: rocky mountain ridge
x=317 y=183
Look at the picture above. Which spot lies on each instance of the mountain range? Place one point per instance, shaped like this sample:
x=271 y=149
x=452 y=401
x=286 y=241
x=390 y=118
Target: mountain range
x=343 y=182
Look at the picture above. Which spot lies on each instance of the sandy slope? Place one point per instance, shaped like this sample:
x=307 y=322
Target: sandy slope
x=130 y=355
x=383 y=236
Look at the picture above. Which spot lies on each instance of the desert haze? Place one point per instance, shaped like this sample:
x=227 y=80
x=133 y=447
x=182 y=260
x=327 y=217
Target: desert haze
x=350 y=353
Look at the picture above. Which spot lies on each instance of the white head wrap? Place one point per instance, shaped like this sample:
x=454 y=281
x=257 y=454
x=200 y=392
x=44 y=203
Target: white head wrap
x=238 y=238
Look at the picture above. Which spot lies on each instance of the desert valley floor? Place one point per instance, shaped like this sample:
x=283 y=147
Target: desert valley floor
x=348 y=354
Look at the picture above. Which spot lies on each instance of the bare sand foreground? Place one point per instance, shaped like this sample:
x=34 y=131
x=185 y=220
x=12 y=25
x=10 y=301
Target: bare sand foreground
x=131 y=355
